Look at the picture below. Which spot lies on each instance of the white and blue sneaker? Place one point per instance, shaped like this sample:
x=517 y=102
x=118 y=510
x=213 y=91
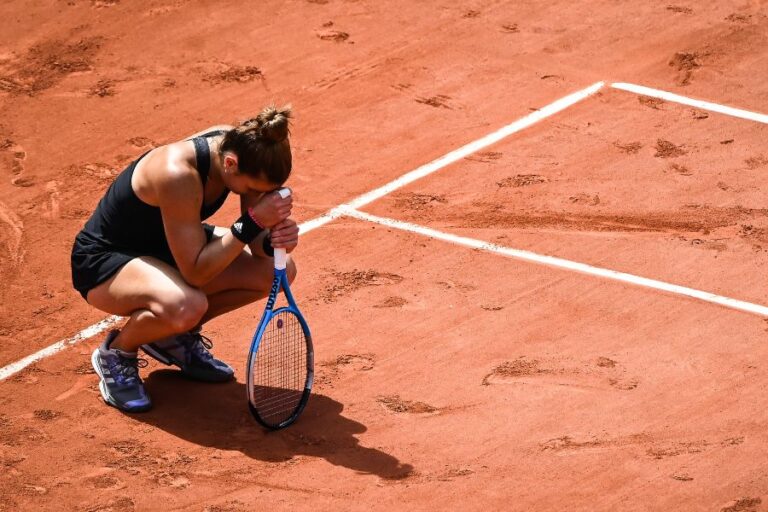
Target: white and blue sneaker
x=190 y=352
x=120 y=383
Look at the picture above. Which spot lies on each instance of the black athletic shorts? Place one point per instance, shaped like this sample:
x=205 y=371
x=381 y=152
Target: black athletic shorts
x=94 y=261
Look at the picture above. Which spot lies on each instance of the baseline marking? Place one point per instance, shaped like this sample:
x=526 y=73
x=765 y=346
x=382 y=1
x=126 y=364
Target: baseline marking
x=305 y=227
x=553 y=261
x=706 y=105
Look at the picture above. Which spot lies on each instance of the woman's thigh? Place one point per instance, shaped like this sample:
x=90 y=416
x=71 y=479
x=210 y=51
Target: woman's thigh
x=144 y=283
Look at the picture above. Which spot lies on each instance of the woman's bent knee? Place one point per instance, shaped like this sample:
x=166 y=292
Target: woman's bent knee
x=186 y=311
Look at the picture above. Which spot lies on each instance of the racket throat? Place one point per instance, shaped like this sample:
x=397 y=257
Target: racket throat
x=274 y=290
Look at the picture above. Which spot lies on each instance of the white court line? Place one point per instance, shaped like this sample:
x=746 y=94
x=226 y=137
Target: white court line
x=464 y=151
x=86 y=333
x=553 y=261
x=367 y=198
x=706 y=105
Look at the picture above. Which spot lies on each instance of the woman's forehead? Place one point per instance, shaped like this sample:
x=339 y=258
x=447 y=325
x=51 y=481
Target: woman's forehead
x=260 y=184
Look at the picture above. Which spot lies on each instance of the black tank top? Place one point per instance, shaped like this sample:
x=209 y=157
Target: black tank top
x=124 y=221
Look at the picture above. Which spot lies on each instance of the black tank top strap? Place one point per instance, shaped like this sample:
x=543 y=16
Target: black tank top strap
x=203 y=153
x=203 y=159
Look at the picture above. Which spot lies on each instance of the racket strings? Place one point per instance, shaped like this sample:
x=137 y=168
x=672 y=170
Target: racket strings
x=280 y=369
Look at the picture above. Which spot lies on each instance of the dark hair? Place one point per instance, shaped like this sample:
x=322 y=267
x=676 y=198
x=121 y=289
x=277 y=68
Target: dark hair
x=262 y=146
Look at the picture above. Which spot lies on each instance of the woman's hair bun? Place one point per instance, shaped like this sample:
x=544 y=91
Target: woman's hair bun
x=272 y=123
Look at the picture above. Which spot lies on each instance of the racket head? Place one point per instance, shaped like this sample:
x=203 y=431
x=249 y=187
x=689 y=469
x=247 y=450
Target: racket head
x=280 y=366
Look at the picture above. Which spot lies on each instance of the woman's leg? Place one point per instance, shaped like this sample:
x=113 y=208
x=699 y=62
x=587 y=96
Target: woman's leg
x=246 y=280
x=158 y=303
x=157 y=300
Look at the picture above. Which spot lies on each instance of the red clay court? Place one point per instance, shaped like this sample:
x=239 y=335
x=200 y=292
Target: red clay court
x=533 y=254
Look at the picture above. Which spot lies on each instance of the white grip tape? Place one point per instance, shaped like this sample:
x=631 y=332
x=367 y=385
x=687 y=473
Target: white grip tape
x=281 y=257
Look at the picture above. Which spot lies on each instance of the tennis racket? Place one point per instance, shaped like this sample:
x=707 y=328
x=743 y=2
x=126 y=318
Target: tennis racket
x=281 y=359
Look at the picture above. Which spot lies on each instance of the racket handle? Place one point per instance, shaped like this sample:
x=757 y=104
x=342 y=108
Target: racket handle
x=281 y=257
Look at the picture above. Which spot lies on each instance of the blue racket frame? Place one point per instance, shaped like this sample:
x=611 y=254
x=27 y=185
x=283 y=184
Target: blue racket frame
x=280 y=282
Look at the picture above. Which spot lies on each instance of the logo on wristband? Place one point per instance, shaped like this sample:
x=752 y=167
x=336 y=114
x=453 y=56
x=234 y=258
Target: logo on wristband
x=245 y=229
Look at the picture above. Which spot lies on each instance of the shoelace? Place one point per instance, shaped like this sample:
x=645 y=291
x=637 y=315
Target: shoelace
x=126 y=369
x=199 y=345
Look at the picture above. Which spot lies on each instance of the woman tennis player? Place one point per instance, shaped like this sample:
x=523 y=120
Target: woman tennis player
x=146 y=254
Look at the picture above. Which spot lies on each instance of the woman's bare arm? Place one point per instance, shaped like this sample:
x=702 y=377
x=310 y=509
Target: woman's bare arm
x=180 y=194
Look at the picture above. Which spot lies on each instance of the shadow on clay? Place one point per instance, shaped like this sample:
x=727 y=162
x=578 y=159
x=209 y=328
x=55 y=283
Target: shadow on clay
x=216 y=415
